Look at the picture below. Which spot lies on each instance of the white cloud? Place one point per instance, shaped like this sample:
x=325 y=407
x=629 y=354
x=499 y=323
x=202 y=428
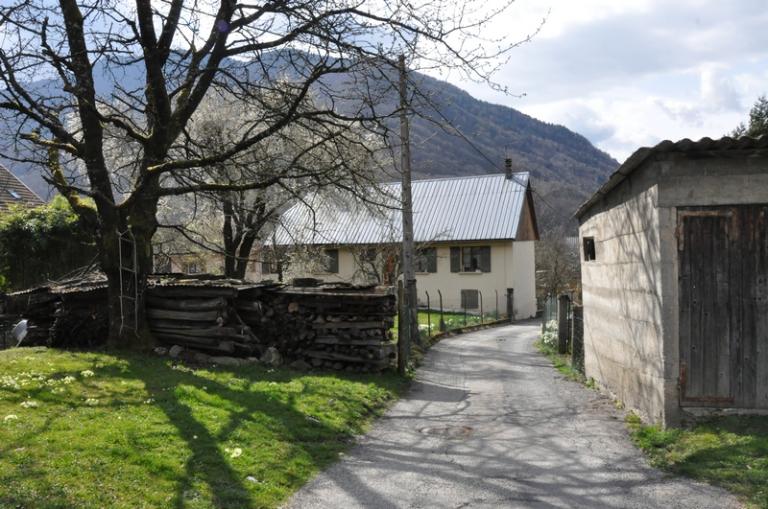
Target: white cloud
x=628 y=74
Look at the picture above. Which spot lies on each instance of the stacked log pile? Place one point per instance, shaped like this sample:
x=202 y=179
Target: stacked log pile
x=326 y=326
x=81 y=319
x=37 y=306
x=199 y=314
x=7 y=321
x=332 y=327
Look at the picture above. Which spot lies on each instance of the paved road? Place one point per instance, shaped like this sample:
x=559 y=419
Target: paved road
x=489 y=424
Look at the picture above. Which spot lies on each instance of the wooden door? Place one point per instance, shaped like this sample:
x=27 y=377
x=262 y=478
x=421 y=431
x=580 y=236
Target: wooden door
x=723 y=285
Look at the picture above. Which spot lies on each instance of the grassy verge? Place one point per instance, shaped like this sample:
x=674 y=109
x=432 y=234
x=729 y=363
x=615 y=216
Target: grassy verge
x=93 y=430
x=561 y=362
x=731 y=452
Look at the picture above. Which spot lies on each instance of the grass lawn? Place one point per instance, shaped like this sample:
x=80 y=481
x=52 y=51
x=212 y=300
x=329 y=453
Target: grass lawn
x=128 y=431
x=731 y=452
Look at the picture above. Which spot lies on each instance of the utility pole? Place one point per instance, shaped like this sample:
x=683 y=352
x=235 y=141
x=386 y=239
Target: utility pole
x=409 y=312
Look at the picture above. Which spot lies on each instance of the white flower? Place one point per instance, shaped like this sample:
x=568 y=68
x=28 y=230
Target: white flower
x=9 y=382
x=30 y=404
x=10 y=417
x=87 y=373
x=235 y=452
x=68 y=379
x=149 y=401
x=91 y=401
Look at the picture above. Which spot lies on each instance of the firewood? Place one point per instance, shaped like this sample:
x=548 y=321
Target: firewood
x=188 y=304
x=191 y=316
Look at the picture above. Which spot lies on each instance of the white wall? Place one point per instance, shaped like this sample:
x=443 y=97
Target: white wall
x=512 y=266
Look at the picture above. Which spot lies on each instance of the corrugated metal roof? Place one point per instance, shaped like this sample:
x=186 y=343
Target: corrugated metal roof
x=14 y=192
x=483 y=207
x=684 y=146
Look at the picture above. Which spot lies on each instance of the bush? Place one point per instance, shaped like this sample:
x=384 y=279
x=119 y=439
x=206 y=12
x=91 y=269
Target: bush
x=42 y=243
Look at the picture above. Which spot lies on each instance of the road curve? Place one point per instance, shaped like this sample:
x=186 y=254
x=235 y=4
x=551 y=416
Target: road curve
x=489 y=423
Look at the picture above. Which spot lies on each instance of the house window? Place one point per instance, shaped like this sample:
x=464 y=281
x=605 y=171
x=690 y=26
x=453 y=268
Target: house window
x=268 y=262
x=471 y=259
x=268 y=267
x=589 y=249
x=14 y=194
x=273 y=261
x=331 y=261
x=368 y=255
x=470 y=299
x=426 y=260
x=191 y=267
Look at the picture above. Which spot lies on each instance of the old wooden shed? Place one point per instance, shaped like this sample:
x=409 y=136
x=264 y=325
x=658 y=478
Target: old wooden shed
x=675 y=278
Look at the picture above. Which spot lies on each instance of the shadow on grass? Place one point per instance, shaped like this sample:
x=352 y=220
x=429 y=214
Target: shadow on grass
x=303 y=422
x=308 y=435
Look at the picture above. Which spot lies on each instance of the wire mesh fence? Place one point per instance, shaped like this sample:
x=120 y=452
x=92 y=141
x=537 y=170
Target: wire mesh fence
x=435 y=316
x=549 y=309
x=564 y=319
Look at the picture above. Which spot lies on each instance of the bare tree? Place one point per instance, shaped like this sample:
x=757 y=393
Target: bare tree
x=142 y=68
x=557 y=262
x=244 y=217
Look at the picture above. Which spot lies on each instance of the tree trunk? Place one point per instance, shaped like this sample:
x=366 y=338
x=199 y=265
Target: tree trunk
x=126 y=259
x=230 y=244
x=244 y=255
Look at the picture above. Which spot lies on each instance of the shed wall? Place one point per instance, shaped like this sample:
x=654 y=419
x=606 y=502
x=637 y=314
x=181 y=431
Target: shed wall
x=623 y=306
x=631 y=293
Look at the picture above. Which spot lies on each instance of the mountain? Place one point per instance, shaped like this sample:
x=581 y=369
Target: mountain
x=566 y=168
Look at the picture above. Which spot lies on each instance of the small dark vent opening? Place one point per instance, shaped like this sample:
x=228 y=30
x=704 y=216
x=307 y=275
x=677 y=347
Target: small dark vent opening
x=589 y=249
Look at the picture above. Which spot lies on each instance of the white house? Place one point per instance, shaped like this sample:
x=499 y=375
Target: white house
x=474 y=235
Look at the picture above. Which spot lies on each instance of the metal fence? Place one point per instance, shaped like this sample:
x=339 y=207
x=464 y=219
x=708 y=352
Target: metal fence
x=569 y=317
x=435 y=318
x=549 y=309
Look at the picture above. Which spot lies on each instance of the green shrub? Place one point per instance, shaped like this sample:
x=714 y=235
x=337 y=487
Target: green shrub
x=42 y=243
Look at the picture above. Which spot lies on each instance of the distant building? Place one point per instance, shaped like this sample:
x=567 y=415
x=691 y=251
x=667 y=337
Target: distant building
x=674 y=273
x=474 y=235
x=14 y=192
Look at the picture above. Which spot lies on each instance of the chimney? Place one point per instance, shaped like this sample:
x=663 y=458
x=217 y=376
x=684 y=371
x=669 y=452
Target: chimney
x=508 y=167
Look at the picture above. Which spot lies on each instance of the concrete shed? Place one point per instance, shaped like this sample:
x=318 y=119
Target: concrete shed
x=674 y=270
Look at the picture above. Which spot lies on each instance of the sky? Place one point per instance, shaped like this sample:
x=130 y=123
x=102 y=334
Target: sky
x=630 y=73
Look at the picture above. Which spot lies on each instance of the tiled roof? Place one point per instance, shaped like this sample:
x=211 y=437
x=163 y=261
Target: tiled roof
x=14 y=192
x=484 y=207
x=684 y=146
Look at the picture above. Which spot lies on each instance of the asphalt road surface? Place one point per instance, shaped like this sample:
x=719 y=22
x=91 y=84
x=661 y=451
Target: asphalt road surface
x=490 y=424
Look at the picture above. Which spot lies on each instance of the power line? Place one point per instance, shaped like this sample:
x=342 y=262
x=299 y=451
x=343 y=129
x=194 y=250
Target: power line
x=470 y=142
